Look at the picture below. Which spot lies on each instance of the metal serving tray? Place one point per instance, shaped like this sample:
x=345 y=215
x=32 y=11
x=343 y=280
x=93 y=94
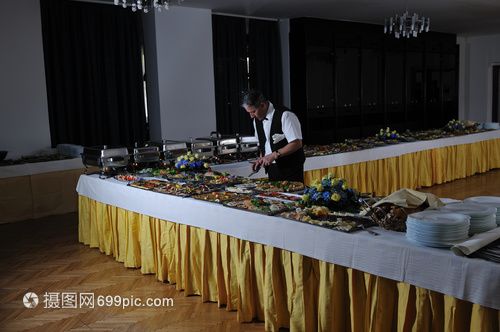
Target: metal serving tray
x=148 y=154
x=224 y=145
x=169 y=149
x=105 y=157
x=201 y=147
x=248 y=144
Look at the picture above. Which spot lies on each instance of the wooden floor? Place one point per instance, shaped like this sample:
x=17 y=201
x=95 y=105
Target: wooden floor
x=44 y=256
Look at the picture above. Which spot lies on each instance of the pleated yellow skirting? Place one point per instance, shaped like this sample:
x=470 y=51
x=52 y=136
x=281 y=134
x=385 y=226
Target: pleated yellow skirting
x=282 y=288
x=417 y=169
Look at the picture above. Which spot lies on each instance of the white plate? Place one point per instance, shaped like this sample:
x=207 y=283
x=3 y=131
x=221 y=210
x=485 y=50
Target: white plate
x=439 y=217
x=491 y=125
x=471 y=209
x=486 y=200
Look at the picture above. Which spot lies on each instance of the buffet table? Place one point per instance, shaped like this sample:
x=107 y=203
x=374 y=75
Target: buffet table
x=412 y=165
x=288 y=273
x=35 y=190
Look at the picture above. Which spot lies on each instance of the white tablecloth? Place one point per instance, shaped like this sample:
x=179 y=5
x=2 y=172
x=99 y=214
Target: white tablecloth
x=376 y=153
x=387 y=255
x=41 y=167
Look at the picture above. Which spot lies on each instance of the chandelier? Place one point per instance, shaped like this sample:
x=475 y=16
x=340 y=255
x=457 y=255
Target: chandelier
x=406 y=25
x=146 y=5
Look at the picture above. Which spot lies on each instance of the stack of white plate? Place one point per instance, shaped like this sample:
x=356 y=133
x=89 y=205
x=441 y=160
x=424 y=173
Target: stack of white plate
x=433 y=228
x=482 y=218
x=491 y=125
x=488 y=201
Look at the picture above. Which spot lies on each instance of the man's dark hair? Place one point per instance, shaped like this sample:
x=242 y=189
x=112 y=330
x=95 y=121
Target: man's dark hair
x=252 y=98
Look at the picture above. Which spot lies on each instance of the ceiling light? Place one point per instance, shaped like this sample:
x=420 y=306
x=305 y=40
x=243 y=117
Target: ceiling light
x=146 y=5
x=406 y=25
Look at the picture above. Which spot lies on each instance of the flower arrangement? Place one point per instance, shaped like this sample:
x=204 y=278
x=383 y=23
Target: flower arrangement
x=331 y=192
x=387 y=134
x=191 y=162
x=454 y=125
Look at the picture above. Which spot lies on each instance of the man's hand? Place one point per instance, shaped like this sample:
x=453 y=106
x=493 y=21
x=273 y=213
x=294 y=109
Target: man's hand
x=268 y=159
x=257 y=165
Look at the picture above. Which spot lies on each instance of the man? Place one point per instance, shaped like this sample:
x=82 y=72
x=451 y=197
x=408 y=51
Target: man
x=280 y=138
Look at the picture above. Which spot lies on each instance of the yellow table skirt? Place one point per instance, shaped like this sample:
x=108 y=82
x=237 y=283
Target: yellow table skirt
x=417 y=169
x=38 y=195
x=279 y=287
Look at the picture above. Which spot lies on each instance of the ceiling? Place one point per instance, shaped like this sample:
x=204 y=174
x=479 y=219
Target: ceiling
x=461 y=17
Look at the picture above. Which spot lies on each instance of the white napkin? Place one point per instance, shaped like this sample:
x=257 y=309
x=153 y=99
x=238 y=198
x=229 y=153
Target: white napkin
x=476 y=242
x=278 y=137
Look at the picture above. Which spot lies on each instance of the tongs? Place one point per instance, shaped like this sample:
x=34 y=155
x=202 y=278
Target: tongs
x=256 y=171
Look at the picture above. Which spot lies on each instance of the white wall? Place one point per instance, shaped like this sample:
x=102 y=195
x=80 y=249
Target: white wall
x=24 y=120
x=185 y=73
x=481 y=52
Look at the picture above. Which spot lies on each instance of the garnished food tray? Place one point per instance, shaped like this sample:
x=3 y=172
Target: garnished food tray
x=127 y=177
x=339 y=221
x=146 y=184
x=281 y=195
x=240 y=189
x=261 y=205
x=183 y=190
x=279 y=186
x=221 y=196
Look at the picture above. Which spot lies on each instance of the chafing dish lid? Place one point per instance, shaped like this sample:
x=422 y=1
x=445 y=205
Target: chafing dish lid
x=103 y=151
x=168 y=145
x=248 y=140
x=219 y=139
x=144 y=150
x=199 y=143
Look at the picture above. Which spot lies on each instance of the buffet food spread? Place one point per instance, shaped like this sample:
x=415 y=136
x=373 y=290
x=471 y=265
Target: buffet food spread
x=190 y=176
x=328 y=202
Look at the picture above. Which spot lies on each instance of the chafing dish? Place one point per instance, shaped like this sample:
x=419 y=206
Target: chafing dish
x=201 y=147
x=248 y=145
x=169 y=150
x=105 y=158
x=146 y=154
x=224 y=145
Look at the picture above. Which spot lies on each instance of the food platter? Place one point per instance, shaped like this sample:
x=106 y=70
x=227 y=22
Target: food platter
x=339 y=221
x=183 y=190
x=262 y=205
x=279 y=186
x=221 y=196
x=127 y=177
x=145 y=184
x=280 y=195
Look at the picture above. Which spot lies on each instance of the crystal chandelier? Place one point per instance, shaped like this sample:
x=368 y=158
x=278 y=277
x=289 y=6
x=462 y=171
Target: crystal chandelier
x=406 y=25
x=146 y=5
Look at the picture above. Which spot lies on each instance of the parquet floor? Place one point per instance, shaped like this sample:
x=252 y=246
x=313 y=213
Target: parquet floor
x=44 y=256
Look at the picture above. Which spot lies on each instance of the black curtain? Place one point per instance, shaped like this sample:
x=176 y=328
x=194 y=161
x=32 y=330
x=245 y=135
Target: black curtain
x=231 y=77
x=264 y=47
x=94 y=73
